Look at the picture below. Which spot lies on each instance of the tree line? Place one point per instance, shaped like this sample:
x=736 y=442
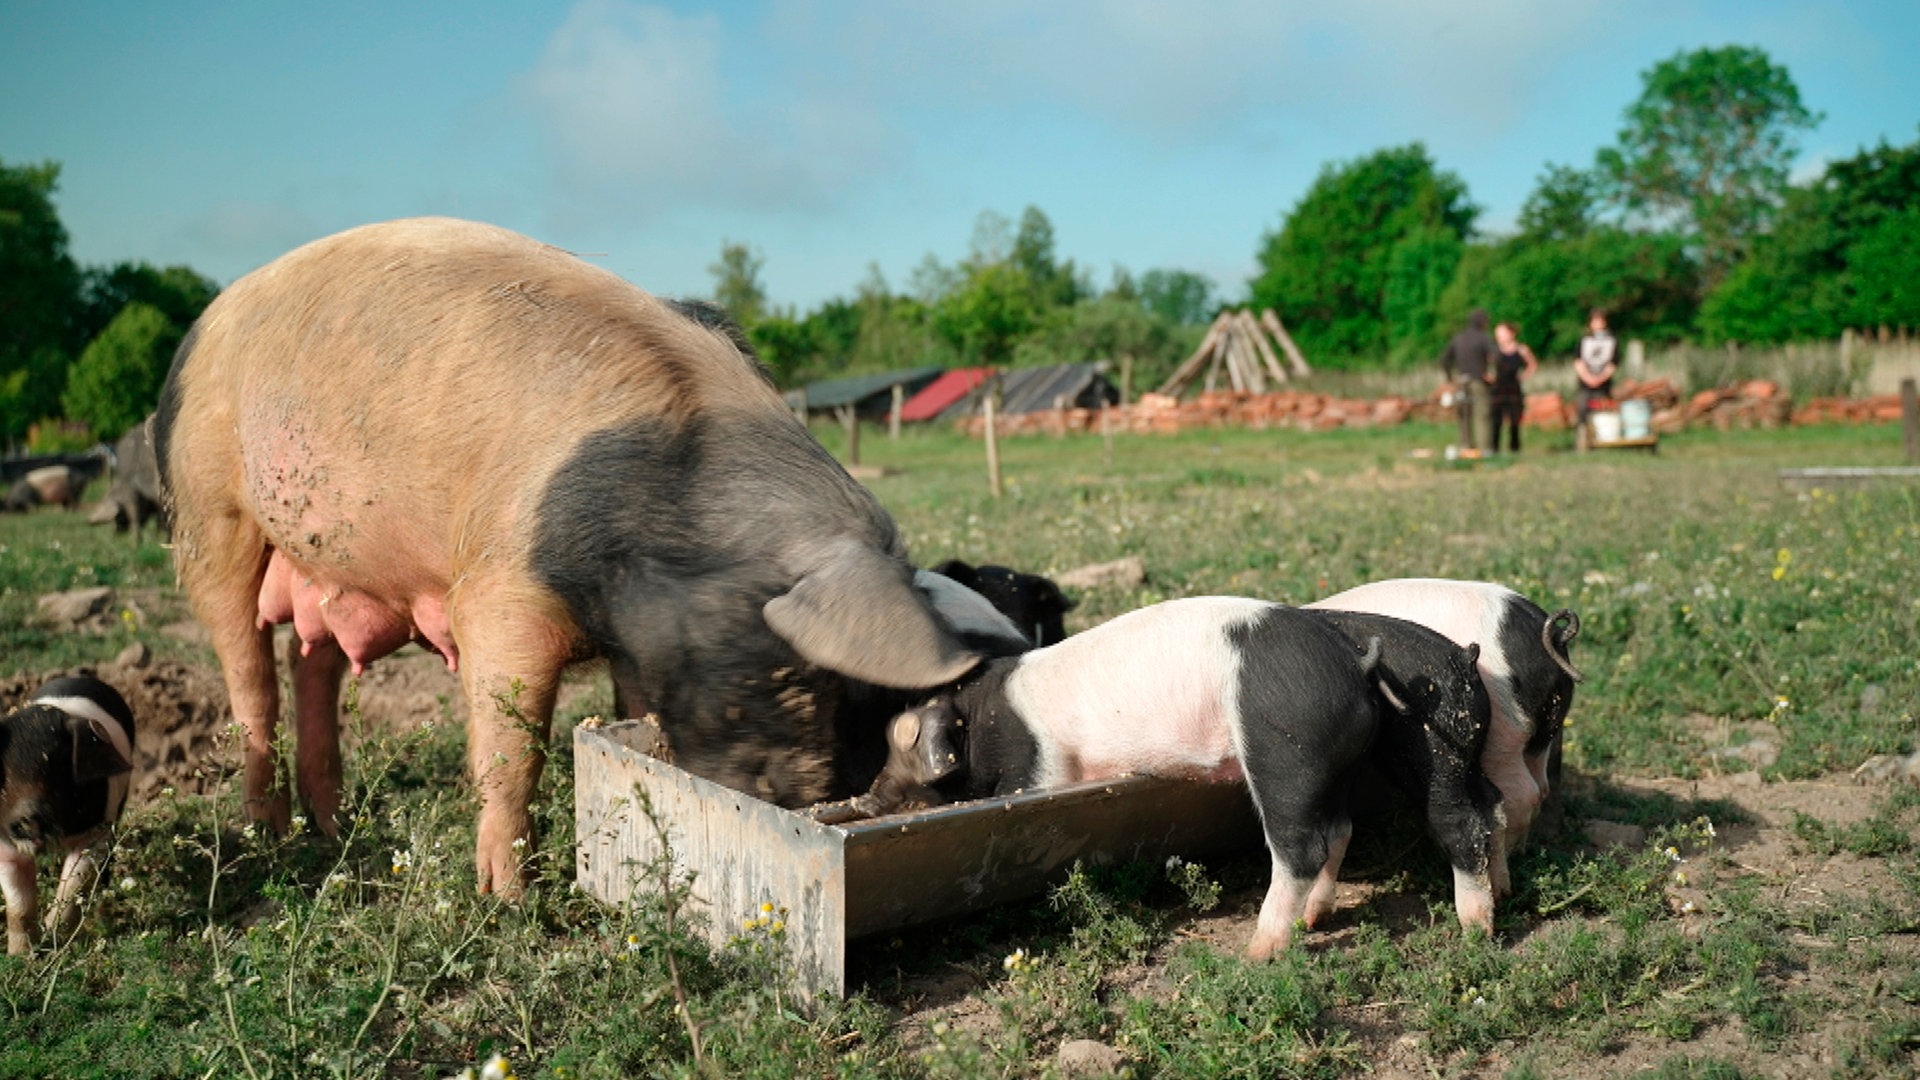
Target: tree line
x=1686 y=225
x=86 y=345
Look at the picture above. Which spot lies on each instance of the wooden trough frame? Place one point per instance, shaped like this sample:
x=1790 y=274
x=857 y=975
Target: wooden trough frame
x=843 y=882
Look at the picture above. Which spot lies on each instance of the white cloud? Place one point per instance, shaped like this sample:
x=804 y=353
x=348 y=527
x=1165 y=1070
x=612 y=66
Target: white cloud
x=641 y=106
x=1182 y=72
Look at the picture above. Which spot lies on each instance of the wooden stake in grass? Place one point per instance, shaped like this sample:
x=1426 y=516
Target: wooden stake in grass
x=893 y=417
x=993 y=450
x=1910 y=419
x=850 y=417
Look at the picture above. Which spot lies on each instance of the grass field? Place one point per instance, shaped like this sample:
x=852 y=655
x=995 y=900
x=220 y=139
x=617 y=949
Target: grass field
x=1721 y=611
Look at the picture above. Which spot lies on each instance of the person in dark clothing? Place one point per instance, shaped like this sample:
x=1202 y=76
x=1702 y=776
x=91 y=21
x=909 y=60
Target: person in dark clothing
x=1512 y=363
x=1468 y=362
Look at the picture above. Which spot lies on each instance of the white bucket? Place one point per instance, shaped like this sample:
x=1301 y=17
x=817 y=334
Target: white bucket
x=1636 y=419
x=1606 y=426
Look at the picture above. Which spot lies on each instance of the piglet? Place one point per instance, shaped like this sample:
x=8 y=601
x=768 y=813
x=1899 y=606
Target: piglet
x=1215 y=689
x=1528 y=671
x=65 y=757
x=1034 y=603
x=1431 y=747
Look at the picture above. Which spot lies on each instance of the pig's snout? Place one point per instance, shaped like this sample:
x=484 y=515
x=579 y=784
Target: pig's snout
x=1473 y=900
x=30 y=832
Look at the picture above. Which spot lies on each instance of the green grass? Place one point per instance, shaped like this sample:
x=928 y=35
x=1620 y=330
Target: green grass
x=1711 y=598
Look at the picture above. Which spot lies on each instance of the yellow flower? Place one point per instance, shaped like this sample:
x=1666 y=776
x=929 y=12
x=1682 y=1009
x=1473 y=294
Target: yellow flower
x=1779 y=572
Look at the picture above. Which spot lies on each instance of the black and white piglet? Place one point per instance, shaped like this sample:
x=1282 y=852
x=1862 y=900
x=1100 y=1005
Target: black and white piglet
x=1210 y=688
x=65 y=757
x=1527 y=668
x=1034 y=603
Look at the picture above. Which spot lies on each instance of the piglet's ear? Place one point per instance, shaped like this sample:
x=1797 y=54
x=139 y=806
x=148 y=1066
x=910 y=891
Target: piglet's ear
x=94 y=755
x=1473 y=653
x=855 y=611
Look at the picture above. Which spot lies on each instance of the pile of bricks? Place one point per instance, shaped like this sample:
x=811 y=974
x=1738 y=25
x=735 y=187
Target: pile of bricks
x=1757 y=403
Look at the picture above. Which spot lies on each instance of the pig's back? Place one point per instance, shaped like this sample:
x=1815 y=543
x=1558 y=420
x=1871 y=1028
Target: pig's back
x=1152 y=691
x=1464 y=612
x=410 y=387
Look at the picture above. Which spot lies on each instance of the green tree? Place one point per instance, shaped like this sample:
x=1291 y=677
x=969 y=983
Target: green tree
x=1884 y=268
x=179 y=292
x=1646 y=282
x=1831 y=259
x=736 y=282
x=1108 y=328
x=1055 y=284
x=1325 y=271
x=1707 y=147
x=39 y=295
x=116 y=381
x=1419 y=269
x=990 y=311
x=1180 y=297
x=1563 y=205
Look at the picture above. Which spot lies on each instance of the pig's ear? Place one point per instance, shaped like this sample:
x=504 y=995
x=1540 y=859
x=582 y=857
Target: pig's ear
x=1473 y=654
x=924 y=737
x=856 y=612
x=94 y=754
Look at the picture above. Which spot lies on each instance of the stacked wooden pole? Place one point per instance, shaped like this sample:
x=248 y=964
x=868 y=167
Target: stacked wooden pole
x=1238 y=346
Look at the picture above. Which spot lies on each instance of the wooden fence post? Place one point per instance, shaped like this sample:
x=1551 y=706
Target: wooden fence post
x=1910 y=419
x=893 y=418
x=850 y=418
x=993 y=450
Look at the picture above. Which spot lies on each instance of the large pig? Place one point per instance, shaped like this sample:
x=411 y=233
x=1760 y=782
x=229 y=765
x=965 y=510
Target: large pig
x=1527 y=669
x=441 y=431
x=1216 y=689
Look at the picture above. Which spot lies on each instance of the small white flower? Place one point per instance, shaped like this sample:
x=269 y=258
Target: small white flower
x=519 y=843
x=1174 y=862
x=496 y=1068
x=1673 y=853
x=1687 y=908
x=1710 y=831
x=402 y=861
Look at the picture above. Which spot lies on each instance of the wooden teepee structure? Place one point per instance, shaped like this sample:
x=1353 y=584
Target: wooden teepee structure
x=1237 y=344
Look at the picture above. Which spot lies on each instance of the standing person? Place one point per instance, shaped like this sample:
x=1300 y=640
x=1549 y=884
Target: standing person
x=1596 y=365
x=1468 y=362
x=1513 y=363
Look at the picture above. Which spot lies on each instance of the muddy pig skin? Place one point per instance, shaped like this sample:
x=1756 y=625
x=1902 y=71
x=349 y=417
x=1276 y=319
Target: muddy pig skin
x=1431 y=747
x=1209 y=688
x=1034 y=603
x=1528 y=673
x=64 y=759
x=442 y=431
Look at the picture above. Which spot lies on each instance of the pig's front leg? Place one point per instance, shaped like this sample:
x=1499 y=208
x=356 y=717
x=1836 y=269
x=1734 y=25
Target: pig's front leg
x=511 y=674
x=22 y=894
x=316 y=725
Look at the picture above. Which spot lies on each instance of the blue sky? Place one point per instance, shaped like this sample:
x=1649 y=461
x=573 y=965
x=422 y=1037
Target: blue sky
x=830 y=134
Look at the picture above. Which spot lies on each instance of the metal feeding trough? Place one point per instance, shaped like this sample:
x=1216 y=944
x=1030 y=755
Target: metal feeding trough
x=839 y=883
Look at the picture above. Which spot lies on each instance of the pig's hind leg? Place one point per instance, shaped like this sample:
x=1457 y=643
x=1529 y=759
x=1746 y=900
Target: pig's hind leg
x=221 y=558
